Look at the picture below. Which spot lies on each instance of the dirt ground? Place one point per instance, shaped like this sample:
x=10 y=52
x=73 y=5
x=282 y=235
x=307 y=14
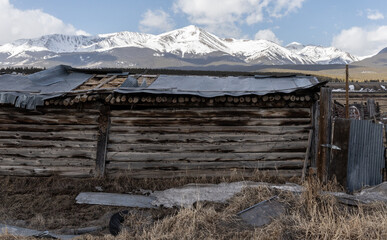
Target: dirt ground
x=48 y=203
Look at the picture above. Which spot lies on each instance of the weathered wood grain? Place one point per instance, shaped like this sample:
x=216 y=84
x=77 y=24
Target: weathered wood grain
x=102 y=141
x=215 y=147
x=46 y=162
x=47 y=128
x=275 y=130
x=45 y=171
x=214 y=121
x=220 y=138
x=49 y=152
x=217 y=112
x=76 y=136
x=20 y=143
x=184 y=165
x=160 y=156
x=204 y=173
x=42 y=119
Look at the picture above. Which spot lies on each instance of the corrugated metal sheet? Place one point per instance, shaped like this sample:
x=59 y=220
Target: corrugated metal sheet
x=365 y=155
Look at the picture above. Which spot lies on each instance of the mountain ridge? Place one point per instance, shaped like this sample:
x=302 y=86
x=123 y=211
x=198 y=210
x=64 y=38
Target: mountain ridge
x=184 y=46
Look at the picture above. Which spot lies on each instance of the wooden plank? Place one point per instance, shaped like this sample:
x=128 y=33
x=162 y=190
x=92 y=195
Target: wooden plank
x=102 y=141
x=216 y=147
x=49 y=152
x=25 y=161
x=203 y=138
x=88 y=136
x=339 y=161
x=47 y=128
x=115 y=199
x=50 y=111
x=216 y=112
x=371 y=107
x=213 y=129
x=214 y=121
x=204 y=173
x=307 y=155
x=45 y=143
x=45 y=171
x=315 y=124
x=42 y=119
x=105 y=81
x=325 y=129
x=184 y=165
x=136 y=156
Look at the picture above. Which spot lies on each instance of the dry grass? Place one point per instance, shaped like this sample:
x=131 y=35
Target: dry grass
x=360 y=74
x=309 y=215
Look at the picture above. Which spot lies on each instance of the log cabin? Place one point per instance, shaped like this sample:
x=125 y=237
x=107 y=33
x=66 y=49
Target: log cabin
x=79 y=123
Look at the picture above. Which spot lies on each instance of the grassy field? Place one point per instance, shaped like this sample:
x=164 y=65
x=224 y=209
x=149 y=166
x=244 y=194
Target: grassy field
x=360 y=74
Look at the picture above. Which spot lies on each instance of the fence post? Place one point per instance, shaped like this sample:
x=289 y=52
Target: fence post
x=371 y=107
x=325 y=132
x=102 y=141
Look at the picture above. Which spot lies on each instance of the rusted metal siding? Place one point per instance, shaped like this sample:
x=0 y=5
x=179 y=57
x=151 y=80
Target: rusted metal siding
x=365 y=155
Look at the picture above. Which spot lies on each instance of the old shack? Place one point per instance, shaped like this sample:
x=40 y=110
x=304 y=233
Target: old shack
x=81 y=123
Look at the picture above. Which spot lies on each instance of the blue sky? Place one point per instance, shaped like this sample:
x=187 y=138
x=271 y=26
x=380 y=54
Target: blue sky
x=357 y=26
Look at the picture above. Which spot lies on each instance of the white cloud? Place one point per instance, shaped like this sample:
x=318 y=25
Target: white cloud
x=156 y=21
x=225 y=14
x=16 y=24
x=374 y=14
x=267 y=34
x=362 y=41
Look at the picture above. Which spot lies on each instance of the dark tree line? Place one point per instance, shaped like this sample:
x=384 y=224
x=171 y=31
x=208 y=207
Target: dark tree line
x=24 y=70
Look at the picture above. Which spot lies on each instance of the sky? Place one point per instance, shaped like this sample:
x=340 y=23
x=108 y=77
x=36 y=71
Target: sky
x=356 y=26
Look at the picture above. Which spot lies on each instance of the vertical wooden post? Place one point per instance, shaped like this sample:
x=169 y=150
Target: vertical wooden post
x=102 y=141
x=346 y=92
x=315 y=120
x=325 y=131
x=371 y=107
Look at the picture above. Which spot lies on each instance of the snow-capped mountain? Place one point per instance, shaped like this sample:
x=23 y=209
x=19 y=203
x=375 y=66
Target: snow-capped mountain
x=322 y=55
x=188 y=46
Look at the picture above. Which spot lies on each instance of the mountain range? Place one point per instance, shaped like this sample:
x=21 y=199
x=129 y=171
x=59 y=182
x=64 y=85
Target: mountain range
x=186 y=47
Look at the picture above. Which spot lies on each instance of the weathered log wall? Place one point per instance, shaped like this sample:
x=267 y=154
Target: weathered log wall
x=50 y=141
x=208 y=141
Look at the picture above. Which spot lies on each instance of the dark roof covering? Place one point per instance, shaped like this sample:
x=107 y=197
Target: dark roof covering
x=206 y=86
x=31 y=91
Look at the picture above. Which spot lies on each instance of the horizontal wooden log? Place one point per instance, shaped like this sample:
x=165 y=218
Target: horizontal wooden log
x=44 y=162
x=49 y=152
x=50 y=113
x=214 y=121
x=46 y=171
x=218 y=112
x=84 y=136
x=203 y=138
x=47 y=128
x=216 y=147
x=212 y=129
x=136 y=156
x=168 y=165
x=204 y=173
x=45 y=143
